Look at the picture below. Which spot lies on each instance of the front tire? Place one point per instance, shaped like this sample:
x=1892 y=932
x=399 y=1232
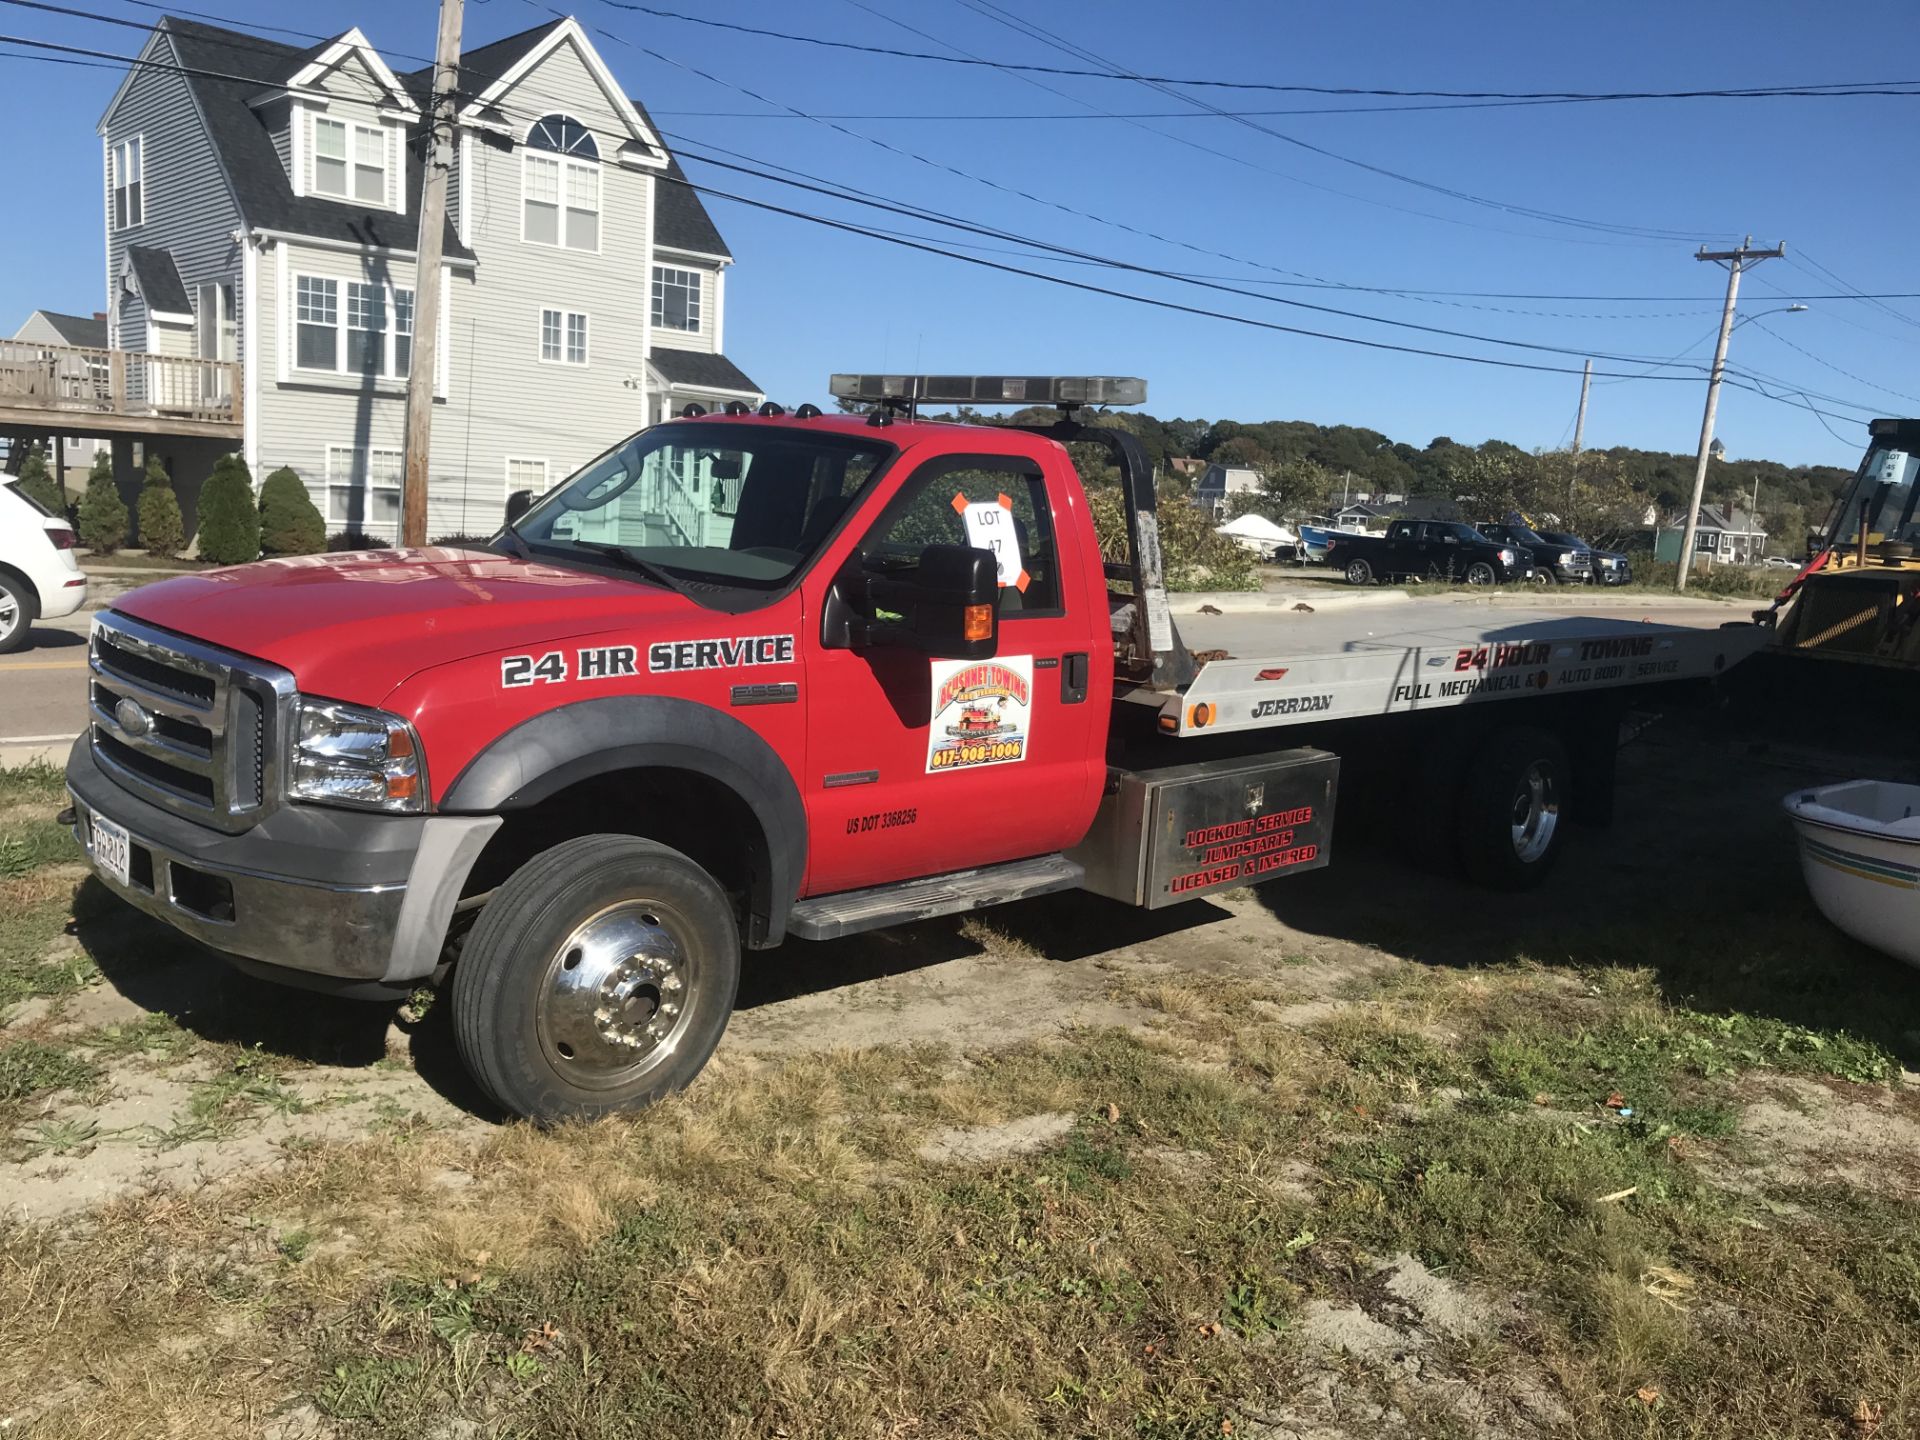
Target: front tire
x=17 y=611
x=599 y=978
x=1480 y=573
x=1545 y=578
x=1359 y=572
x=1510 y=820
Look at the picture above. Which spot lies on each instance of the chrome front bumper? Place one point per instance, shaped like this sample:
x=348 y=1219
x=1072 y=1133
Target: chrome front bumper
x=355 y=897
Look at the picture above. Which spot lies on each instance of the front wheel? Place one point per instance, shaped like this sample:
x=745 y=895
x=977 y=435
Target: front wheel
x=599 y=978
x=1359 y=572
x=16 y=613
x=1544 y=577
x=1480 y=573
x=1509 y=821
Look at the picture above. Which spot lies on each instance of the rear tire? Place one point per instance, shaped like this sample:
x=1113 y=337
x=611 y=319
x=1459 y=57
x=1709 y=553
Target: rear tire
x=599 y=978
x=18 y=607
x=1359 y=572
x=1510 y=820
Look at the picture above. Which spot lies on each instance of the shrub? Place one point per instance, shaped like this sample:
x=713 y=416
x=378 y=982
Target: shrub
x=460 y=542
x=37 y=483
x=289 y=522
x=161 y=530
x=356 y=540
x=229 y=518
x=103 y=514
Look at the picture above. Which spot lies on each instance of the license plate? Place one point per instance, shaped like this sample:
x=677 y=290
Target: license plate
x=112 y=851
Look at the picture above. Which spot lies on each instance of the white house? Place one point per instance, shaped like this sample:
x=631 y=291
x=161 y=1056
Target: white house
x=1219 y=483
x=262 y=208
x=71 y=456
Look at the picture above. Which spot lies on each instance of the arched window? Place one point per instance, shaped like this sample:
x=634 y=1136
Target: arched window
x=560 y=185
x=563 y=135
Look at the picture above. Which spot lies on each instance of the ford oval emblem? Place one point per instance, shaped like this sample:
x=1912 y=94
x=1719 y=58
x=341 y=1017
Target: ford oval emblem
x=132 y=720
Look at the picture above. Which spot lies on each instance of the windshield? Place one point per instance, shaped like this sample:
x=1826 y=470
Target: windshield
x=1459 y=530
x=1560 y=537
x=739 y=505
x=1883 y=493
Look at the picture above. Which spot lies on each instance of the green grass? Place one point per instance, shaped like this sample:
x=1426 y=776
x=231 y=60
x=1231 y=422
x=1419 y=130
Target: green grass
x=35 y=784
x=30 y=1068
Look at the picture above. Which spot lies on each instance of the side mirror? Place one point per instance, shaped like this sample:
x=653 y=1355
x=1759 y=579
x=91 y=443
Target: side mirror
x=518 y=503
x=947 y=606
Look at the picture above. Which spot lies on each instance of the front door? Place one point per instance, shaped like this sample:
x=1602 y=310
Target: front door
x=917 y=766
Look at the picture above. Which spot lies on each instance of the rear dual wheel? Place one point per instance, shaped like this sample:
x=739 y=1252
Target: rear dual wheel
x=598 y=978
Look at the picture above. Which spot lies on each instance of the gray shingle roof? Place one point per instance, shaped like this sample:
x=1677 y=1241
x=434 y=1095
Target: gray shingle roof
x=159 y=280
x=706 y=372
x=88 y=332
x=260 y=184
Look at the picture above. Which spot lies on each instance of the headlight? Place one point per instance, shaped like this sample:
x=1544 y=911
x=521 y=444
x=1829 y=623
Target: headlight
x=349 y=755
x=1507 y=557
x=1566 y=557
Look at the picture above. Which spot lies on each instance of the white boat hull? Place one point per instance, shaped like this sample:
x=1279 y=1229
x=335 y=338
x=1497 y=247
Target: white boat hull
x=1860 y=856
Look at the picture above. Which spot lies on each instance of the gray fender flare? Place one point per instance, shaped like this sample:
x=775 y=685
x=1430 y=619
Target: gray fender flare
x=544 y=755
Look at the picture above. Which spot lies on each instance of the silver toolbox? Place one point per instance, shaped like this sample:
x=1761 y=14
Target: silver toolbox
x=1163 y=836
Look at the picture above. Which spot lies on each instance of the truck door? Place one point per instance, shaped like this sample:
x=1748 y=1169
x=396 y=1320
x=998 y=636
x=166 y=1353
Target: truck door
x=918 y=766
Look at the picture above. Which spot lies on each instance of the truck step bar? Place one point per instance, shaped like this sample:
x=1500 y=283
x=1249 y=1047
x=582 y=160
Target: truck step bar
x=828 y=917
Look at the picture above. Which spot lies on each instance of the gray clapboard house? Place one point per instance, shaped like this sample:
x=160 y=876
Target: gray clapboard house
x=262 y=209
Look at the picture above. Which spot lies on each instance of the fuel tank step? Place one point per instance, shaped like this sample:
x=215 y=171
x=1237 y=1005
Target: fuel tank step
x=827 y=917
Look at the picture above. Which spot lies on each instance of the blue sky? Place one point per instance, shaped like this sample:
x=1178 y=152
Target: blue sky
x=1825 y=176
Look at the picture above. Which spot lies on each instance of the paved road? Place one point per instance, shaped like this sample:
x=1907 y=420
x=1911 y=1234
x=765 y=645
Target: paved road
x=43 y=691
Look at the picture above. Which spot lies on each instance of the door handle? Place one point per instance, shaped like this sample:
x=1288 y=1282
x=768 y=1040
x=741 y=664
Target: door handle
x=1073 y=678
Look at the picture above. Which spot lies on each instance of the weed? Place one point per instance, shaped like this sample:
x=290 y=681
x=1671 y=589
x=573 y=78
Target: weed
x=360 y=1389
x=31 y=1067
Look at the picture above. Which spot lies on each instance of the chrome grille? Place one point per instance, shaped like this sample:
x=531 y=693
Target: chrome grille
x=184 y=726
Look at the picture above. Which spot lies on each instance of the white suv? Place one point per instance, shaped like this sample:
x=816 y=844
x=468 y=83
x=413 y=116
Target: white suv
x=39 y=578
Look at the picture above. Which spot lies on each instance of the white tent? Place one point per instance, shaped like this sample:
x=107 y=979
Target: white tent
x=1258 y=534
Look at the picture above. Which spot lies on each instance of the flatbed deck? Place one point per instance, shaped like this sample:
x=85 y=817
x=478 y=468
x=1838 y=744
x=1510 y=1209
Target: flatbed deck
x=1273 y=668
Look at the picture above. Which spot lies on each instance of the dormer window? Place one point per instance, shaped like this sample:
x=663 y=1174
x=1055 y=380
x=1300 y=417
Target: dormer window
x=349 y=161
x=560 y=185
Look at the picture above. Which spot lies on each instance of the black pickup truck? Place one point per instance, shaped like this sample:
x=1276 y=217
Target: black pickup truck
x=1428 y=550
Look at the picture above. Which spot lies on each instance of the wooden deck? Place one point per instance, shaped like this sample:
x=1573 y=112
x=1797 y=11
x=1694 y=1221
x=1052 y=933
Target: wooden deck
x=58 y=388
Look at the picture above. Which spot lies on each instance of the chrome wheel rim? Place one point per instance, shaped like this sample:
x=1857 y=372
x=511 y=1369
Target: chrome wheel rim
x=9 y=614
x=1480 y=574
x=615 y=997
x=1536 y=812
x=1358 y=573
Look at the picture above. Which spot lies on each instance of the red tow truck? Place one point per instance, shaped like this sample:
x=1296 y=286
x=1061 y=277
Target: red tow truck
x=760 y=675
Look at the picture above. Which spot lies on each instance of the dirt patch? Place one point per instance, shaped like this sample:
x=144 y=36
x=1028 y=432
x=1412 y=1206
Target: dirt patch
x=984 y=1144
x=1807 y=1133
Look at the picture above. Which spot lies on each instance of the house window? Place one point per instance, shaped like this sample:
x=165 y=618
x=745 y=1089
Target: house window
x=563 y=337
x=676 y=298
x=530 y=475
x=402 y=331
x=129 y=192
x=377 y=338
x=560 y=185
x=349 y=161
x=363 y=486
x=317 y=323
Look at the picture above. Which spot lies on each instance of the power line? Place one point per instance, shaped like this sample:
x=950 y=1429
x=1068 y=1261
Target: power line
x=1820 y=90
x=1857 y=379
x=997 y=12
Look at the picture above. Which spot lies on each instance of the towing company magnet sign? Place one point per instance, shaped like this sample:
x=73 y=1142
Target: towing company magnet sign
x=981 y=712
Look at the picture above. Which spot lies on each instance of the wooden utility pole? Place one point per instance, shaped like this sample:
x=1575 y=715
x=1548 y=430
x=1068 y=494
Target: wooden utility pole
x=1736 y=261
x=426 y=283
x=1580 y=420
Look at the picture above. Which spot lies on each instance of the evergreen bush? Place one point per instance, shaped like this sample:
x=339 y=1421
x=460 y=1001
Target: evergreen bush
x=290 y=524
x=229 y=518
x=162 y=531
x=37 y=483
x=103 y=514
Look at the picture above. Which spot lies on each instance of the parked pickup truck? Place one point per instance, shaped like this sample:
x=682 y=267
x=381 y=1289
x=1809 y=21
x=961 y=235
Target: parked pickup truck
x=1555 y=562
x=761 y=675
x=1428 y=550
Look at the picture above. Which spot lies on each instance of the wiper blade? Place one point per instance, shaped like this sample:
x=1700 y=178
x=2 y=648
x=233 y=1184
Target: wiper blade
x=659 y=574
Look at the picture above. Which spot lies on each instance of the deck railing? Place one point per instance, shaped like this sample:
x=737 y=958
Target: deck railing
x=73 y=379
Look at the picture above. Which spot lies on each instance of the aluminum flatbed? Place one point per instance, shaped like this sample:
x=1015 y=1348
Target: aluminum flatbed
x=1269 y=666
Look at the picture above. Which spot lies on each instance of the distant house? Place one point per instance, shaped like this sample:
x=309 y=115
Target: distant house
x=1730 y=536
x=1360 y=515
x=1219 y=483
x=74 y=454
x=1186 y=466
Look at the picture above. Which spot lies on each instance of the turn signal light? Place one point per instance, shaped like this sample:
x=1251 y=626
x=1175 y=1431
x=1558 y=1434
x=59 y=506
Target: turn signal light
x=979 y=622
x=1200 y=716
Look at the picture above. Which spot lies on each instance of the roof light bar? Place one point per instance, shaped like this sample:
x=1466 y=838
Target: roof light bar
x=1063 y=390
